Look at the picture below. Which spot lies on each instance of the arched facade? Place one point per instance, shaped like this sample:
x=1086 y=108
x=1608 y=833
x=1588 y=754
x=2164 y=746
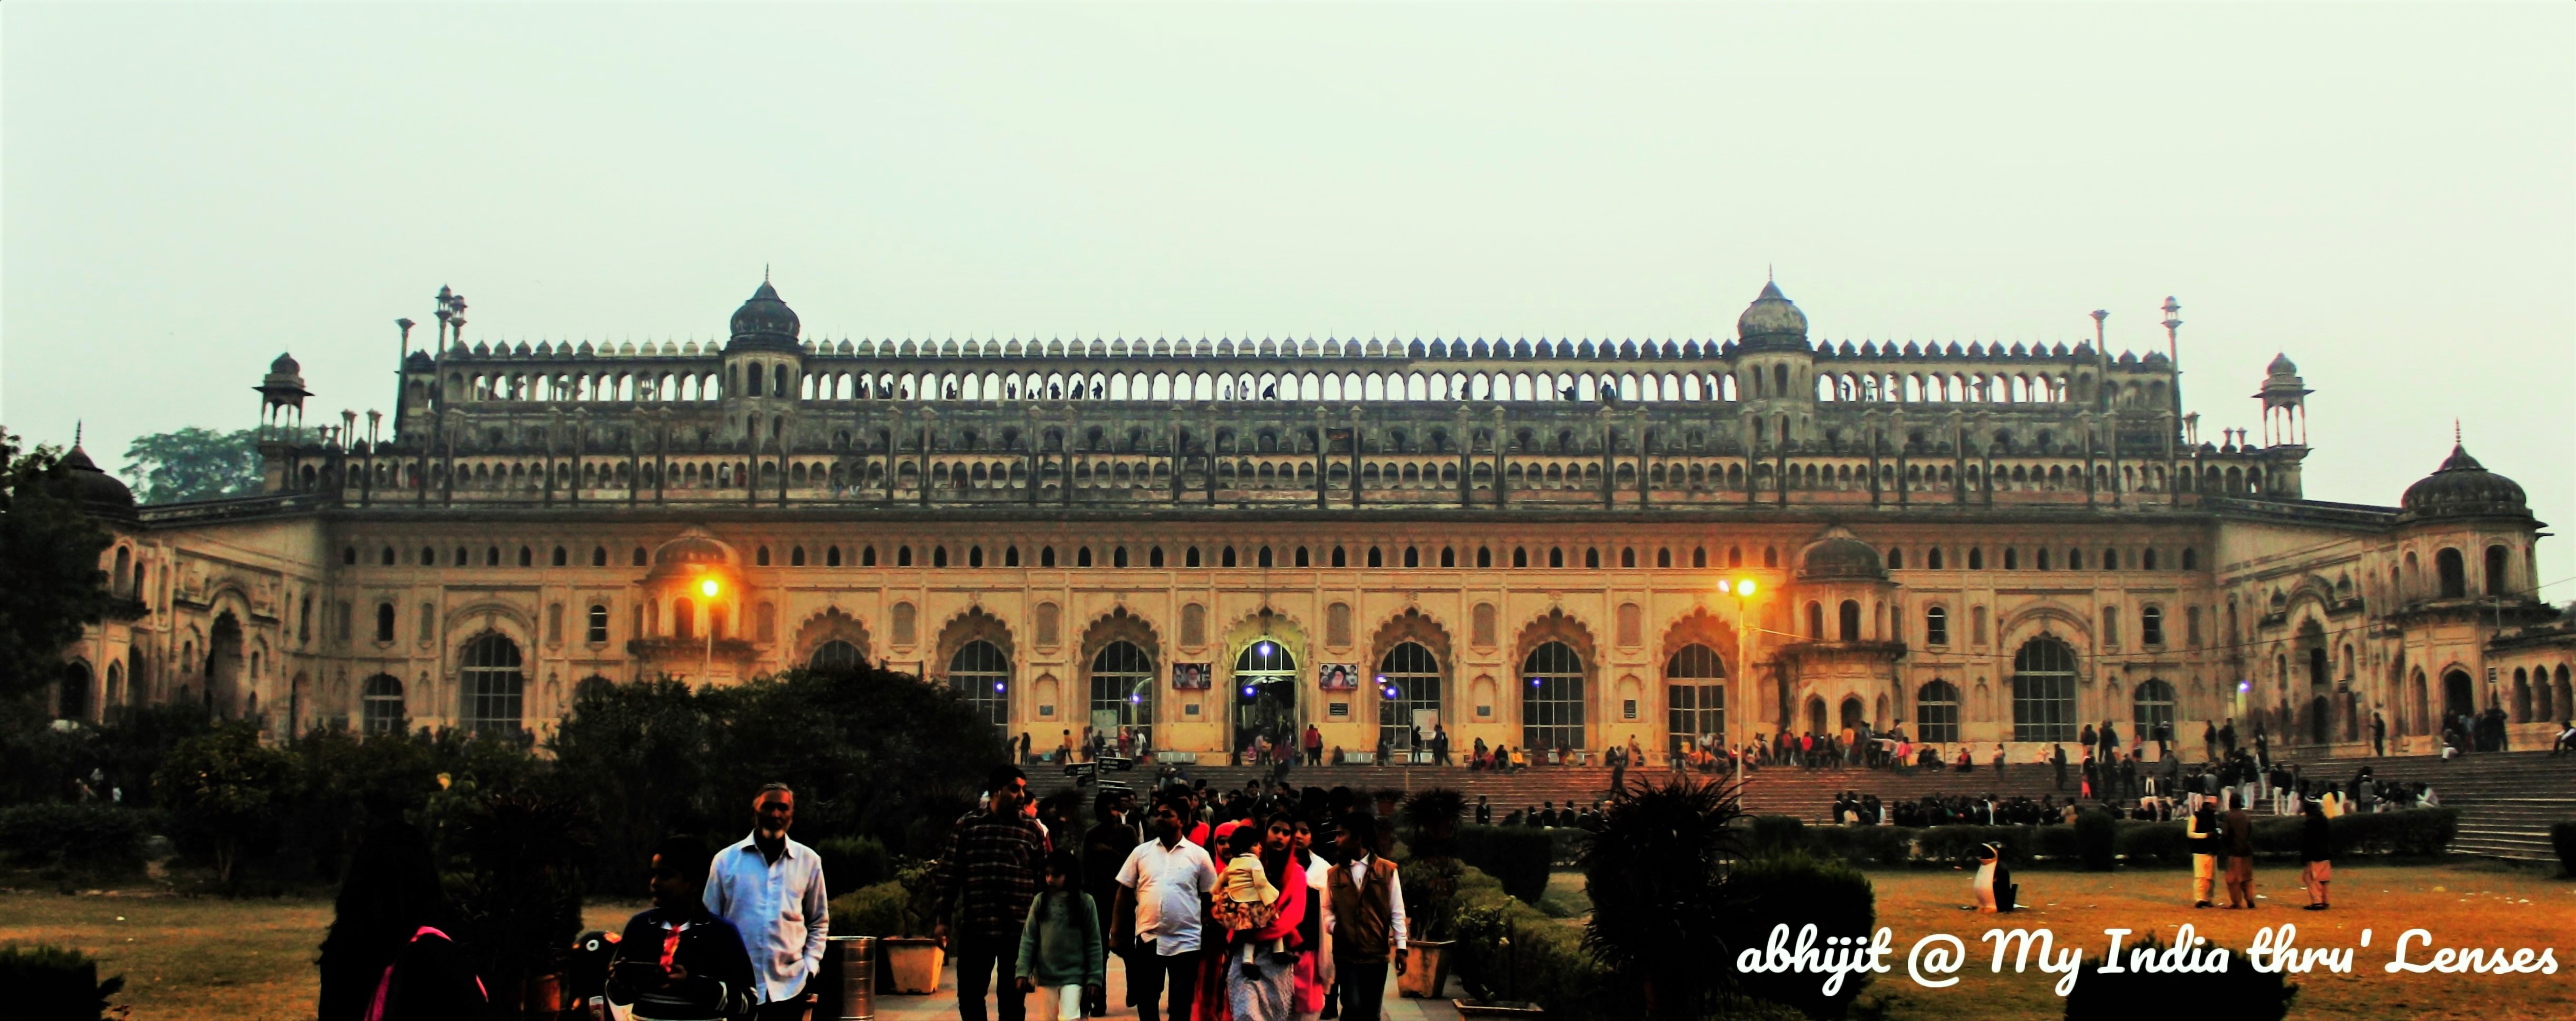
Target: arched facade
x=1369 y=495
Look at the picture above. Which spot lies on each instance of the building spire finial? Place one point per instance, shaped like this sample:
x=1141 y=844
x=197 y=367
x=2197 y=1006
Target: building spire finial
x=2455 y=433
x=77 y=425
x=764 y=272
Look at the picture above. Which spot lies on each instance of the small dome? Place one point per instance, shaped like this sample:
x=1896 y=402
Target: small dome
x=285 y=365
x=1839 y=554
x=765 y=321
x=1771 y=315
x=2463 y=488
x=695 y=547
x=2282 y=366
x=99 y=492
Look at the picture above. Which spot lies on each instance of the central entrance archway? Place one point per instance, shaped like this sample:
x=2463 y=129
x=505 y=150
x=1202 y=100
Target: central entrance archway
x=2458 y=697
x=1265 y=698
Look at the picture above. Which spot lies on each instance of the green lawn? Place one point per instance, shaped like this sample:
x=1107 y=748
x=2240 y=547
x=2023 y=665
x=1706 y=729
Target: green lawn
x=199 y=957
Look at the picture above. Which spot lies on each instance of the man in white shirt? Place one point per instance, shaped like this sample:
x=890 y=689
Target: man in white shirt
x=771 y=889
x=1368 y=920
x=1166 y=881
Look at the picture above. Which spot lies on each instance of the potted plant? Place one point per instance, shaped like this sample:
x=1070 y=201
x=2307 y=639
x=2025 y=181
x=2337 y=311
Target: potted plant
x=912 y=958
x=1430 y=888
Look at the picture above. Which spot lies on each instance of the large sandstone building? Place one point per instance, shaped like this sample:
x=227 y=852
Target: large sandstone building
x=1547 y=544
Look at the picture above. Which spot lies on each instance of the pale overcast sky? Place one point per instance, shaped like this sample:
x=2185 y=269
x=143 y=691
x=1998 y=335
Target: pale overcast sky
x=2385 y=192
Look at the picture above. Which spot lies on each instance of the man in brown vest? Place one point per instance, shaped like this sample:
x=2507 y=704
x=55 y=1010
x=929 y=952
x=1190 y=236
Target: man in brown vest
x=1368 y=920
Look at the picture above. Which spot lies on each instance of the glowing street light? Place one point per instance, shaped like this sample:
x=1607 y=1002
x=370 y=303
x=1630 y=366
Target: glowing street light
x=708 y=587
x=1742 y=589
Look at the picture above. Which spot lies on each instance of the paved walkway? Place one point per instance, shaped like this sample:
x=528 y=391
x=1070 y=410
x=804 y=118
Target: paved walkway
x=942 y=1005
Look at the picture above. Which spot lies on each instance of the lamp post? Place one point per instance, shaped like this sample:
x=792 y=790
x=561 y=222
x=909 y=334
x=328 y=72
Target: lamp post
x=1742 y=589
x=709 y=588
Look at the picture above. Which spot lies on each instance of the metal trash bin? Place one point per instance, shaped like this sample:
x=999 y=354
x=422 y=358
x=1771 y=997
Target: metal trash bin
x=850 y=992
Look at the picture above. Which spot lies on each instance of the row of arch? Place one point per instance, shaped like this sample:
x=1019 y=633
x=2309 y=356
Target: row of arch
x=1522 y=386
x=839 y=476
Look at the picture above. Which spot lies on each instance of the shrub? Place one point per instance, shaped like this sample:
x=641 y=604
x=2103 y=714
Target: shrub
x=1796 y=890
x=1430 y=819
x=54 y=984
x=1773 y=834
x=875 y=910
x=2153 y=843
x=853 y=862
x=1506 y=950
x=1864 y=845
x=1519 y=856
x=2244 y=992
x=2563 y=836
x=1657 y=871
x=91 y=838
x=2097 y=840
x=227 y=787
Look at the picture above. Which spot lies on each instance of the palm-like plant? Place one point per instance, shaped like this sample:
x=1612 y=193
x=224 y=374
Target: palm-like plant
x=1656 y=872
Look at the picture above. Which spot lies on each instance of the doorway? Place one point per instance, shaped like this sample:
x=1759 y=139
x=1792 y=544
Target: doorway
x=1855 y=715
x=224 y=665
x=2458 y=699
x=1265 y=700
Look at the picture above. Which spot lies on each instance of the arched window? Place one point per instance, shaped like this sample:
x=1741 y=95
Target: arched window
x=1694 y=698
x=2455 y=576
x=1122 y=686
x=491 y=683
x=1936 y=626
x=597 y=630
x=1849 y=621
x=1816 y=622
x=981 y=675
x=384 y=622
x=2150 y=705
x=684 y=618
x=1552 y=697
x=380 y=706
x=2151 y=625
x=2496 y=560
x=1408 y=687
x=834 y=655
x=2044 y=691
x=1936 y=712
x=73 y=700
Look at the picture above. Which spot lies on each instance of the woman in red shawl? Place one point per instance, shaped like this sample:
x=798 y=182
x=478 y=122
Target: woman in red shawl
x=1254 y=976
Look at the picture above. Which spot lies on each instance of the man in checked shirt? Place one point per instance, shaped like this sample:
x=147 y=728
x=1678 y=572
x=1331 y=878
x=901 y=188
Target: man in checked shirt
x=993 y=867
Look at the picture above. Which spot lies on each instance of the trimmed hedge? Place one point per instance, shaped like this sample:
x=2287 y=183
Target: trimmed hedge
x=54 y=984
x=1798 y=890
x=2418 y=832
x=95 y=838
x=2097 y=840
x=1518 y=858
x=1507 y=950
x=875 y=910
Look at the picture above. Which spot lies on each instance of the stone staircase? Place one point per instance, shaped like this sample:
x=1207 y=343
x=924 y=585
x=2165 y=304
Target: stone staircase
x=1805 y=793
x=2507 y=800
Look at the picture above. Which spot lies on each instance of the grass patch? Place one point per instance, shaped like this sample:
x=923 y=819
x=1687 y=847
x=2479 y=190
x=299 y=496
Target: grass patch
x=207 y=958
x=2473 y=904
x=1565 y=896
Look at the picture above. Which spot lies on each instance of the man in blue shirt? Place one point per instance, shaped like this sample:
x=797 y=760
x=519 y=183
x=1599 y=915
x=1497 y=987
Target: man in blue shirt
x=771 y=888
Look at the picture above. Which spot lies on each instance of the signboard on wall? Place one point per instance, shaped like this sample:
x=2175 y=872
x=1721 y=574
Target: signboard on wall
x=1192 y=676
x=1338 y=676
